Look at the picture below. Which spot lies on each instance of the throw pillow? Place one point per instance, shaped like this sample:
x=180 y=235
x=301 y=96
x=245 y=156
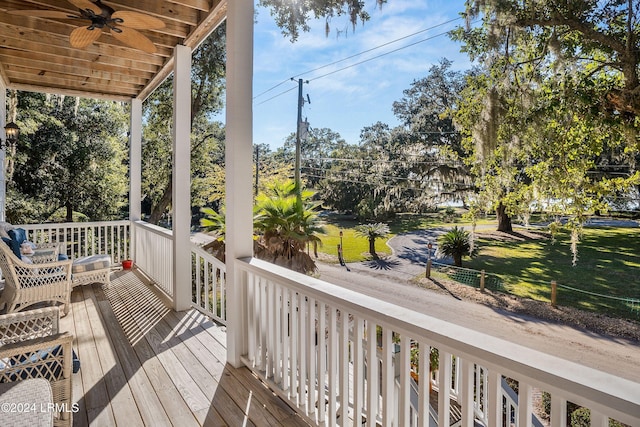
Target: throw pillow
x=14 y=245
x=18 y=234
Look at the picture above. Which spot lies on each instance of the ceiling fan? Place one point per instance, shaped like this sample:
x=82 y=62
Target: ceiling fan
x=123 y=24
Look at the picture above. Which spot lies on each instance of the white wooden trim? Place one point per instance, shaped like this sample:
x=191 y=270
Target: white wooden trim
x=525 y=404
x=3 y=137
x=604 y=394
x=444 y=382
x=466 y=393
x=238 y=168
x=135 y=167
x=135 y=161
x=181 y=197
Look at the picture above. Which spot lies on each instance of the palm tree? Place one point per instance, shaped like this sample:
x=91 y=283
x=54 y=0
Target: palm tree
x=372 y=232
x=283 y=227
x=286 y=225
x=215 y=224
x=455 y=243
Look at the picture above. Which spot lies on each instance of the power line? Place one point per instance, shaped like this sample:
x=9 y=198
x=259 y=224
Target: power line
x=378 y=56
x=275 y=96
x=380 y=46
x=392 y=187
x=353 y=56
x=375 y=175
x=382 y=161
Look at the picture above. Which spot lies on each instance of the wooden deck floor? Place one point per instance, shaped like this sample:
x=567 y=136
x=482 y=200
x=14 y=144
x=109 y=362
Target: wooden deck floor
x=143 y=364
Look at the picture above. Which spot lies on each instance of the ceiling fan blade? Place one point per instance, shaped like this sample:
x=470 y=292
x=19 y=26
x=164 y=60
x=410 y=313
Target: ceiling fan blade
x=134 y=38
x=137 y=20
x=86 y=4
x=82 y=36
x=44 y=14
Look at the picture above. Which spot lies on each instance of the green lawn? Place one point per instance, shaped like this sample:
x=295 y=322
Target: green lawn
x=608 y=264
x=608 y=261
x=354 y=248
x=357 y=248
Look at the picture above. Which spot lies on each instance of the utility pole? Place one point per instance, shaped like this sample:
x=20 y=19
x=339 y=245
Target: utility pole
x=298 y=149
x=298 y=180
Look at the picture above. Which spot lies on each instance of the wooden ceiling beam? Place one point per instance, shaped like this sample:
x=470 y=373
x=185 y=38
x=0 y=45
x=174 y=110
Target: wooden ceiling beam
x=216 y=15
x=25 y=74
x=142 y=70
x=203 y=5
x=214 y=18
x=91 y=56
x=60 y=5
x=167 y=36
x=58 y=40
x=37 y=87
x=159 y=9
x=35 y=53
x=43 y=67
x=62 y=83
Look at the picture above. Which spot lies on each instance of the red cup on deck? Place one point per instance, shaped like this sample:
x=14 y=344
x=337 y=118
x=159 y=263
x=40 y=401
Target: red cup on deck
x=127 y=264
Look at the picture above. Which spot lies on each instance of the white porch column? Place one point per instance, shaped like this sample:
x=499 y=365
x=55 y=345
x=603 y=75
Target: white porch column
x=181 y=196
x=135 y=169
x=238 y=168
x=3 y=137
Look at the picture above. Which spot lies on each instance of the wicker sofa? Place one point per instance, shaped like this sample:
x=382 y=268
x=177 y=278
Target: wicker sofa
x=31 y=346
x=42 y=280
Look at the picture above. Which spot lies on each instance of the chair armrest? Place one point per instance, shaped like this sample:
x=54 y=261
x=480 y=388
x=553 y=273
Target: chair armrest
x=20 y=326
x=46 y=357
x=64 y=265
x=32 y=275
x=45 y=252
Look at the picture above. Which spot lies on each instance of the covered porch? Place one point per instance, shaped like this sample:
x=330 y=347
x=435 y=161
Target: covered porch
x=330 y=355
x=335 y=356
x=145 y=364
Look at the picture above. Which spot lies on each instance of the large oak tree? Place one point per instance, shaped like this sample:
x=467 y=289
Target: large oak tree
x=557 y=98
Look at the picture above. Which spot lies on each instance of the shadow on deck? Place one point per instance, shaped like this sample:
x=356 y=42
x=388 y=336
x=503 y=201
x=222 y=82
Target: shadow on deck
x=143 y=364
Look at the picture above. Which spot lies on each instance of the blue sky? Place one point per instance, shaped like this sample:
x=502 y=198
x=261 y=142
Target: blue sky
x=348 y=100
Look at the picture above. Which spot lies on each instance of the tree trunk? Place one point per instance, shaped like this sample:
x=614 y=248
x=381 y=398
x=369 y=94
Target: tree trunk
x=158 y=209
x=69 y=209
x=504 y=220
x=372 y=248
x=457 y=260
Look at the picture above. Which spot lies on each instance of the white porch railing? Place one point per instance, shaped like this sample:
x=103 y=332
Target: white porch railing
x=310 y=341
x=153 y=249
x=85 y=238
x=209 y=284
x=152 y=246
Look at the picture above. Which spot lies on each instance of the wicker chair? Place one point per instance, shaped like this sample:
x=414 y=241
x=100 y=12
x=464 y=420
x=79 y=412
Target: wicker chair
x=32 y=347
x=27 y=284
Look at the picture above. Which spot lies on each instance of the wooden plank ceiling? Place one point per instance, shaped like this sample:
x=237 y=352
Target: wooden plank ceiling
x=35 y=53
